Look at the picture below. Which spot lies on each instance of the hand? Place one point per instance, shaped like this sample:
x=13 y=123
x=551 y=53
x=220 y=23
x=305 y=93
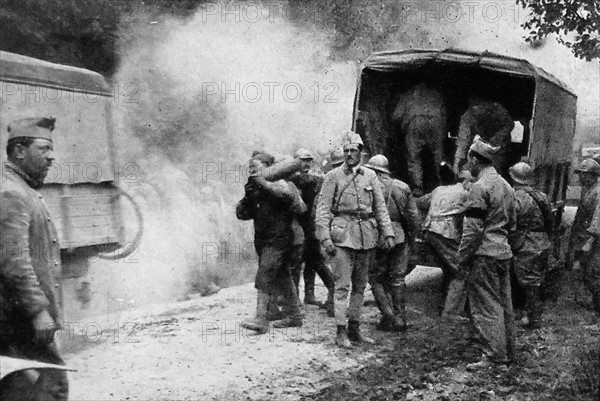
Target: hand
x=330 y=248
x=260 y=181
x=387 y=243
x=588 y=245
x=44 y=327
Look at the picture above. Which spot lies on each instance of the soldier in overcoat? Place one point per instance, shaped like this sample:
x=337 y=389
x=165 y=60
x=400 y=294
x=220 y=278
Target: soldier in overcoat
x=30 y=293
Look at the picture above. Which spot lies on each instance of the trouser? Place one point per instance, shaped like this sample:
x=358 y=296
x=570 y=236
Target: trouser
x=529 y=272
x=274 y=274
x=424 y=136
x=488 y=288
x=350 y=269
x=295 y=263
x=453 y=286
x=590 y=263
x=32 y=385
x=387 y=277
x=314 y=262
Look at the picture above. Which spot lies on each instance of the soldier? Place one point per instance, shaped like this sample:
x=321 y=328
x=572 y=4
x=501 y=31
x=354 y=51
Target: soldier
x=442 y=232
x=314 y=262
x=592 y=248
x=30 y=294
x=484 y=249
x=272 y=206
x=336 y=158
x=388 y=275
x=531 y=242
x=350 y=210
x=589 y=171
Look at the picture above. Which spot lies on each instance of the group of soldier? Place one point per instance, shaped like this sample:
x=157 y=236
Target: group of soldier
x=356 y=225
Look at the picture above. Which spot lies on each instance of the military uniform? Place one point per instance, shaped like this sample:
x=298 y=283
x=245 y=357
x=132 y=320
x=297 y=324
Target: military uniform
x=580 y=234
x=351 y=214
x=593 y=259
x=422 y=117
x=30 y=270
x=442 y=230
x=310 y=186
x=531 y=246
x=489 y=217
x=273 y=212
x=387 y=277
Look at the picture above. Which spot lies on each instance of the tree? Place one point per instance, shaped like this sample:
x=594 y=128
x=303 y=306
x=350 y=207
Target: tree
x=575 y=22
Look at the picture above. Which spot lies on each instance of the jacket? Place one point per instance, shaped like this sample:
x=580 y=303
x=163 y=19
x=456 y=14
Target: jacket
x=402 y=209
x=30 y=254
x=530 y=235
x=351 y=210
x=446 y=205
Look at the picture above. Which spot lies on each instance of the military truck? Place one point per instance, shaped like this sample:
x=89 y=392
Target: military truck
x=81 y=189
x=542 y=105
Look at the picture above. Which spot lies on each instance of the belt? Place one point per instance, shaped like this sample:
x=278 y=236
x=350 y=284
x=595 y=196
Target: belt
x=357 y=215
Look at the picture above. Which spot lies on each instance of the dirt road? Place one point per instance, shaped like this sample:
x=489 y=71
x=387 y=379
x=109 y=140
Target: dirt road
x=195 y=350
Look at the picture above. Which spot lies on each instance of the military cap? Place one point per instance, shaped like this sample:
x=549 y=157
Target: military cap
x=521 y=173
x=379 y=163
x=483 y=148
x=303 y=154
x=588 y=166
x=337 y=157
x=350 y=138
x=37 y=127
x=263 y=157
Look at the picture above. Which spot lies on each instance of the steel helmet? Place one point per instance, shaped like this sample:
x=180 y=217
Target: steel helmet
x=337 y=157
x=378 y=163
x=588 y=166
x=521 y=173
x=303 y=154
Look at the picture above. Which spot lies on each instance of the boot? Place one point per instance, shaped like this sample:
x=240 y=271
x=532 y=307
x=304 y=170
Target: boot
x=533 y=307
x=399 y=302
x=309 y=294
x=341 y=338
x=260 y=323
x=292 y=308
x=355 y=335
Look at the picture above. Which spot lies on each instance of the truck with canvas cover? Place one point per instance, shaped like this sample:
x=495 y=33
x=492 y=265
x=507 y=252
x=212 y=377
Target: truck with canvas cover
x=81 y=189
x=411 y=106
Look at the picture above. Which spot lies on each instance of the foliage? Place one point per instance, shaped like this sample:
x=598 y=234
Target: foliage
x=576 y=22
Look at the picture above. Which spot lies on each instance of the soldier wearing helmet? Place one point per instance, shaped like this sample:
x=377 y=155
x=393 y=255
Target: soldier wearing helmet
x=388 y=274
x=310 y=185
x=351 y=217
x=442 y=229
x=336 y=159
x=531 y=241
x=589 y=173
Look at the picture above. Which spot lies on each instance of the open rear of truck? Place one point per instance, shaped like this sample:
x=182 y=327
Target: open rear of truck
x=540 y=104
x=81 y=188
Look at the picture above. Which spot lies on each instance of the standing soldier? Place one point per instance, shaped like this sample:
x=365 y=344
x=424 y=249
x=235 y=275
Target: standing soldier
x=390 y=268
x=30 y=295
x=484 y=249
x=350 y=210
x=531 y=242
x=592 y=248
x=442 y=231
x=589 y=173
x=272 y=207
x=314 y=262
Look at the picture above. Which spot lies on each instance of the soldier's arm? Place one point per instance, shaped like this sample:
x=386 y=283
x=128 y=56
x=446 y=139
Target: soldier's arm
x=298 y=205
x=413 y=218
x=475 y=215
x=324 y=214
x=16 y=270
x=384 y=223
x=278 y=189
